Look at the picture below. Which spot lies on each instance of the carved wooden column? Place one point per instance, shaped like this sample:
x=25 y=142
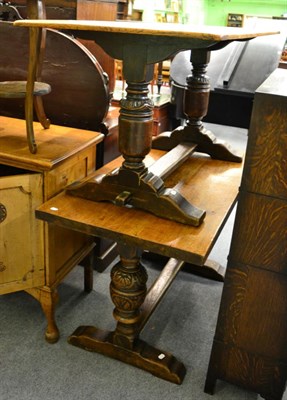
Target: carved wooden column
x=135 y=126
x=133 y=308
x=196 y=99
x=128 y=291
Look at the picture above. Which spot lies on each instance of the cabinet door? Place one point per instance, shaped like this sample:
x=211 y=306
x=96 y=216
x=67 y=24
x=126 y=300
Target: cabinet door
x=21 y=235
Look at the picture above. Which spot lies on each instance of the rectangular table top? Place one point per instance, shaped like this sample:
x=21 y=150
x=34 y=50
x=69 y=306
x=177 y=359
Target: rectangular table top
x=54 y=144
x=209 y=184
x=216 y=33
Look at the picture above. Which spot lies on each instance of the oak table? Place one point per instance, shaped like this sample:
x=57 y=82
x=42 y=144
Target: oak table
x=186 y=232
x=140 y=46
x=200 y=178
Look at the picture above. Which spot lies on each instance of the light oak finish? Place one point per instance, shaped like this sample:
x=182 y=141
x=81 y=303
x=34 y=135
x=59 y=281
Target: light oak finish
x=216 y=33
x=200 y=179
x=34 y=256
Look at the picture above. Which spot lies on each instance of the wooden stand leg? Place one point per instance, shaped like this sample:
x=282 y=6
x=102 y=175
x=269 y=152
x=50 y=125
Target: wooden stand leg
x=128 y=292
x=195 y=108
x=48 y=299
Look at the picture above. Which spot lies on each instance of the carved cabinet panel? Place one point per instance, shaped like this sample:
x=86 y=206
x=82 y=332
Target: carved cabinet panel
x=21 y=235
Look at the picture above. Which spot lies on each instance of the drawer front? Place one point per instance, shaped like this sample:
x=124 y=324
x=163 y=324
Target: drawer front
x=21 y=235
x=69 y=171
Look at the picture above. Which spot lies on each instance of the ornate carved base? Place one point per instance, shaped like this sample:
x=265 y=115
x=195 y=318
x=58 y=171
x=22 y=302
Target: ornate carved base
x=205 y=140
x=142 y=190
x=196 y=98
x=148 y=358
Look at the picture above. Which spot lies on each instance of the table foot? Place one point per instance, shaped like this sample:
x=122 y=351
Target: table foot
x=211 y=270
x=142 y=190
x=142 y=355
x=206 y=142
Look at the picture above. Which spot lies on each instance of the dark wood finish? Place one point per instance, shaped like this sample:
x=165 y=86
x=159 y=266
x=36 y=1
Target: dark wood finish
x=134 y=302
x=161 y=118
x=161 y=113
x=73 y=101
x=108 y=150
x=160 y=285
x=28 y=90
x=249 y=347
x=195 y=108
x=55 y=9
x=133 y=184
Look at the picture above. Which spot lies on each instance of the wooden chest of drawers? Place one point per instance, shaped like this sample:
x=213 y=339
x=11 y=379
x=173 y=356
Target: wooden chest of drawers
x=36 y=257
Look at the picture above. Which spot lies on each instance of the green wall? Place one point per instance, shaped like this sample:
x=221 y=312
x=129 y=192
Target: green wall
x=216 y=11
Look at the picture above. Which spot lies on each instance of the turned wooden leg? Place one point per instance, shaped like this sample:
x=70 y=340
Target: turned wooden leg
x=48 y=299
x=128 y=292
x=196 y=99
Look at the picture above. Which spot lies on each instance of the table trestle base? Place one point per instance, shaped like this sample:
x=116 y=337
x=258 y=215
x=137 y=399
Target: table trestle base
x=144 y=356
x=206 y=142
x=158 y=290
x=133 y=309
x=144 y=189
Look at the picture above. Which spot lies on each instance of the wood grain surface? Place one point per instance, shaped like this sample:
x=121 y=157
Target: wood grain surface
x=216 y=33
x=206 y=183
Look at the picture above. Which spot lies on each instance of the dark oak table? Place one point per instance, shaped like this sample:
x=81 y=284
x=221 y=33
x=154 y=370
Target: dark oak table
x=140 y=46
x=199 y=178
x=193 y=194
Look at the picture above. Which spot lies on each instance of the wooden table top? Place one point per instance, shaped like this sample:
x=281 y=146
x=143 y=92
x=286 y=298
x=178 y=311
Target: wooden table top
x=215 y=33
x=54 y=144
x=209 y=184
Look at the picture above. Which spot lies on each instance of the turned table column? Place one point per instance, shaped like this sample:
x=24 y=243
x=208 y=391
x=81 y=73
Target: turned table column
x=140 y=46
x=195 y=107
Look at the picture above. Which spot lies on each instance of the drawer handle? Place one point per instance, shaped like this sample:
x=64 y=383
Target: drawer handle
x=3 y=212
